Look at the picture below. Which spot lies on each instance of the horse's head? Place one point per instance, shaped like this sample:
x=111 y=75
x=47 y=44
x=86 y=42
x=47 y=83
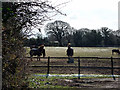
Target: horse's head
x=41 y=48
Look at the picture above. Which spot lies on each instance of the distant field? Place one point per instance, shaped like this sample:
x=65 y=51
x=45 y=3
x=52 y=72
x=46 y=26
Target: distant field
x=79 y=51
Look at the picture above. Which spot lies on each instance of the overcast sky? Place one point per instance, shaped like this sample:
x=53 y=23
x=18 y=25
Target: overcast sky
x=92 y=14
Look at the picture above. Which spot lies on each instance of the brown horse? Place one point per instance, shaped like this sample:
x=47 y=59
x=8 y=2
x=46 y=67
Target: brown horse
x=115 y=51
x=37 y=51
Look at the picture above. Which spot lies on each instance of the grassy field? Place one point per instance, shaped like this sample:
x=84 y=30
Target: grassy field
x=73 y=82
x=80 y=51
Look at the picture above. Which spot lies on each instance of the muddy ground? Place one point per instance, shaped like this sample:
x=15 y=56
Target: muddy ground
x=90 y=83
x=83 y=82
x=62 y=67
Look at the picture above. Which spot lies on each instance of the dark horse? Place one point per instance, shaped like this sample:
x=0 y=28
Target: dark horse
x=115 y=51
x=37 y=51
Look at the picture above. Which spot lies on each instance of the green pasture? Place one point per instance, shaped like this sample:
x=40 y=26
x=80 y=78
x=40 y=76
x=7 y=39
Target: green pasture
x=79 y=51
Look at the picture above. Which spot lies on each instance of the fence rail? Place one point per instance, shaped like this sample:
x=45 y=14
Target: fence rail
x=75 y=57
x=79 y=67
x=57 y=66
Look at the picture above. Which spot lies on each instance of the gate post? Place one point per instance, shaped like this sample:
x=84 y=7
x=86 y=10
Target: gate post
x=48 y=68
x=78 y=68
x=112 y=68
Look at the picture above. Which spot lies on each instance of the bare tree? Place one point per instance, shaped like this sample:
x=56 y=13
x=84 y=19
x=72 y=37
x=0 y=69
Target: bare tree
x=59 y=30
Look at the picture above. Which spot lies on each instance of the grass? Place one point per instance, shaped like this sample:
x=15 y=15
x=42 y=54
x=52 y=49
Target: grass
x=79 y=51
x=43 y=82
x=53 y=82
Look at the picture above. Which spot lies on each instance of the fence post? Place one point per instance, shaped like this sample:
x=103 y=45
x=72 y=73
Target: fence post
x=48 y=68
x=78 y=68
x=112 y=68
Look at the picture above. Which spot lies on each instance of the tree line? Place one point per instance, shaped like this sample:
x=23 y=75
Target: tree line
x=60 y=33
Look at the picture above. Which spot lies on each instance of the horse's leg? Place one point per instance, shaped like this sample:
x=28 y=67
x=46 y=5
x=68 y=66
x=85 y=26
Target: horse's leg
x=118 y=52
x=31 y=58
x=112 y=52
x=39 y=58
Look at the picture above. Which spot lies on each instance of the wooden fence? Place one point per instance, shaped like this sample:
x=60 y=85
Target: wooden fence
x=79 y=67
